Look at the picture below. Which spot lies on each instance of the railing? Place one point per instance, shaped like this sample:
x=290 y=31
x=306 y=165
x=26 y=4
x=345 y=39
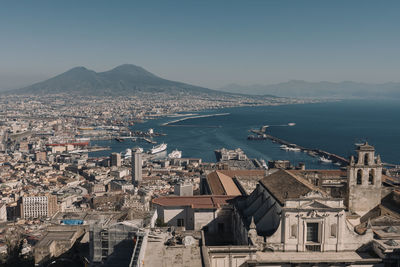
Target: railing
x=135 y=255
x=313 y=247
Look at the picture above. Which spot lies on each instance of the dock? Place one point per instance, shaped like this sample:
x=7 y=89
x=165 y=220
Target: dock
x=311 y=151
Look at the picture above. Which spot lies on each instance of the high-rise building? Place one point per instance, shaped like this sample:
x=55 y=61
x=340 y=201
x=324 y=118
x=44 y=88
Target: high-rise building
x=136 y=167
x=38 y=206
x=116 y=159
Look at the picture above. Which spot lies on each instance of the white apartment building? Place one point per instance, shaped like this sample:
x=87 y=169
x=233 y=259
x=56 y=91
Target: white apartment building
x=38 y=206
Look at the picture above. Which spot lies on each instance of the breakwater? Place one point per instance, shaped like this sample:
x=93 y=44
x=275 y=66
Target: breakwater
x=193 y=117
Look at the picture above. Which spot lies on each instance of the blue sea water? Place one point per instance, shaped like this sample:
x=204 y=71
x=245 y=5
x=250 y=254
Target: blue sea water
x=333 y=126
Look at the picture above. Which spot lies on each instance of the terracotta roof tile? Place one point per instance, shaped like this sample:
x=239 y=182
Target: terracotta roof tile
x=205 y=202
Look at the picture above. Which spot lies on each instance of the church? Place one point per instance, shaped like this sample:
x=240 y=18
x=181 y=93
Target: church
x=346 y=217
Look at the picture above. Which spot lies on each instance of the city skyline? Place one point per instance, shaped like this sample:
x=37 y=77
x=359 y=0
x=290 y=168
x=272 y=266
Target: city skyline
x=207 y=44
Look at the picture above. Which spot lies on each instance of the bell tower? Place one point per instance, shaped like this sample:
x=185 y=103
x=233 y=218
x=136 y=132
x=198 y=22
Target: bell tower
x=364 y=180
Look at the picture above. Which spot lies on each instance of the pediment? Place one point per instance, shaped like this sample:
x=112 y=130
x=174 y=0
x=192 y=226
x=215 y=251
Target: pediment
x=314 y=205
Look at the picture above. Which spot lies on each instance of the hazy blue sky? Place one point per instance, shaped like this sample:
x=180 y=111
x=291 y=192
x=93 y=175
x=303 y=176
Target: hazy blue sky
x=208 y=43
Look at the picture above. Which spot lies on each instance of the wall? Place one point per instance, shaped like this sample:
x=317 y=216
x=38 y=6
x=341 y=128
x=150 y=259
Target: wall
x=291 y=235
x=230 y=256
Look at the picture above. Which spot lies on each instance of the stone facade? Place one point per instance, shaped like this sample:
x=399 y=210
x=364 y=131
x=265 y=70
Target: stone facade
x=314 y=223
x=364 y=181
x=38 y=206
x=294 y=219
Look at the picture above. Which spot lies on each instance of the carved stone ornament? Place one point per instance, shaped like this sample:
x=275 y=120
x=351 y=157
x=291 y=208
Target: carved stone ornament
x=315 y=214
x=313 y=194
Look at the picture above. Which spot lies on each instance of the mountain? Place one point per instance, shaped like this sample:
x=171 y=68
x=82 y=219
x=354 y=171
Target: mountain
x=303 y=89
x=123 y=80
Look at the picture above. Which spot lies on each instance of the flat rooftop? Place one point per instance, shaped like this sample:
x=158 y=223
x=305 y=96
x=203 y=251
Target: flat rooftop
x=157 y=254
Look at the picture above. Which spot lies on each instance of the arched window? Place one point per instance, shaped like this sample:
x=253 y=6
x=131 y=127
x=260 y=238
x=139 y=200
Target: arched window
x=366 y=159
x=371 y=177
x=359 y=177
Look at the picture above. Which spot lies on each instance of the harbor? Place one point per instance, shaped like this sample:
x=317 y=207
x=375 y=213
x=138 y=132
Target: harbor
x=325 y=157
x=201 y=141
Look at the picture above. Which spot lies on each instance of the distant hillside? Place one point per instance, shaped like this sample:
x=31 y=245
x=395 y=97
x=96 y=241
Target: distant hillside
x=123 y=80
x=299 y=89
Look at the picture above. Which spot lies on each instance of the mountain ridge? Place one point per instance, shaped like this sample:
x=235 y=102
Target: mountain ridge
x=126 y=79
x=323 y=89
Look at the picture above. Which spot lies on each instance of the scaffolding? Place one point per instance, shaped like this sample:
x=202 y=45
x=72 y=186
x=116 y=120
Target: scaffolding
x=117 y=244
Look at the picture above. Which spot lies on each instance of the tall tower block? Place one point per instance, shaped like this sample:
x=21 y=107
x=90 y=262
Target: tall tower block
x=136 y=167
x=364 y=180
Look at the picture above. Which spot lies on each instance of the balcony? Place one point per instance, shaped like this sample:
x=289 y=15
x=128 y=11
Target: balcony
x=313 y=247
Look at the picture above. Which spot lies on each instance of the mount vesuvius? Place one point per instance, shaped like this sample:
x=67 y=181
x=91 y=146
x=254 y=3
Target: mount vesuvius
x=125 y=79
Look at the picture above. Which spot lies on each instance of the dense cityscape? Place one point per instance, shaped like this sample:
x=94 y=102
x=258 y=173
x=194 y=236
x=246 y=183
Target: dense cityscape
x=60 y=205
x=200 y=133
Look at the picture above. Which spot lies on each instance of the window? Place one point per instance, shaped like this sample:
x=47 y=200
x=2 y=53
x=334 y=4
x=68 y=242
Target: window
x=181 y=222
x=293 y=231
x=333 y=229
x=359 y=177
x=371 y=177
x=312 y=232
x=366 y=159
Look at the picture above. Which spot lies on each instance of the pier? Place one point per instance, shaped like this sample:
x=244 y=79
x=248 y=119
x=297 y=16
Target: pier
x=310 y=151
x=261 y=135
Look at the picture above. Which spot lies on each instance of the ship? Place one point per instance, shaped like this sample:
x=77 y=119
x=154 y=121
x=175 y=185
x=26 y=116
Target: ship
x=176 y=154
x=292 y=147
x=325 y=160
x=128 y=153
x=159 y=148
x=284 y=147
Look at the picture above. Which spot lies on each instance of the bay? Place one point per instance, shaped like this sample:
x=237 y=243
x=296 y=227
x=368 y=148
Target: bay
x=331 y=126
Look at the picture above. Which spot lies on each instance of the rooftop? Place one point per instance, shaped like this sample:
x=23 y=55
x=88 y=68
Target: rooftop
x=157 y=254
x=284 y=185
x=222 y=184
x=197 y=202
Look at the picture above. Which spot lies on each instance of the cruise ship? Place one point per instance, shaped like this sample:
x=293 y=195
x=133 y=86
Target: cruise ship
x=176 y=154
x=158 y=149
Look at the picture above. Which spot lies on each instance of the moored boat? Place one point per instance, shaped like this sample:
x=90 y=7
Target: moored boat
x=324 y=160
x=176 y=154
x=159 y=148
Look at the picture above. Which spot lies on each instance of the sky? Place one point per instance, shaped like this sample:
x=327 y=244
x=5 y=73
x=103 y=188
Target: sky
x=206 y=43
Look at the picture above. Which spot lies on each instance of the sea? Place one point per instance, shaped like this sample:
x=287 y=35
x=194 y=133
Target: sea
x=331 y=126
